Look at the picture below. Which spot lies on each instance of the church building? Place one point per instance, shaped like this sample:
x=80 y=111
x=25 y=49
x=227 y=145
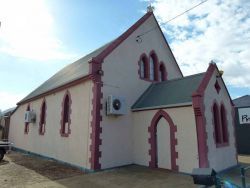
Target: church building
x=128 y=103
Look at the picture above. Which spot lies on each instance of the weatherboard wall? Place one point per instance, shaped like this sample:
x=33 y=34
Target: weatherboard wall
x=183 y=118
x=73 y=149
x=121 y=78
x=223 y=157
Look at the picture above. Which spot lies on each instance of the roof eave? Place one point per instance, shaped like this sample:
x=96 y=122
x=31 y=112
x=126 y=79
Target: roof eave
x=56 y=89
x=163 y=106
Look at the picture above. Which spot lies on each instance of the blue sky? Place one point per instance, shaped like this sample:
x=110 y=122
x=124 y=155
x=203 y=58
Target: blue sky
x=38 y=38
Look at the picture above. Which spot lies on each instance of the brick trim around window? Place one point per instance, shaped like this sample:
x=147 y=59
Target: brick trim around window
x=26 y=124
x=42 y=123
x=215 y=110
x=154 y=56
x=162 y=71
x=63 y=131
x=144 y=59
x=224 y=124
x=220 y=141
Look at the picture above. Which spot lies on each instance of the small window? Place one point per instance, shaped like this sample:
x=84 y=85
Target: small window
x=151 y=68
x=65 y=122
x=216 y=124
x=142 y=71
x=26 y=125
x=143 y=67
x=42 y=119
x=163 y=73
x=224 y=124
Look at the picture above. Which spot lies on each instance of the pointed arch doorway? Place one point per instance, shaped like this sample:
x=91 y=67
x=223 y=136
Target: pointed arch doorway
x=162 y=142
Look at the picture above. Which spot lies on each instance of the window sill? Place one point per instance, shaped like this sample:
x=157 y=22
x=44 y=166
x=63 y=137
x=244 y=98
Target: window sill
x=64 y=134
x=225 y=144
x=148 y=80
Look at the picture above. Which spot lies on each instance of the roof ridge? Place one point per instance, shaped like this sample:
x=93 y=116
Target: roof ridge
x=114 y=44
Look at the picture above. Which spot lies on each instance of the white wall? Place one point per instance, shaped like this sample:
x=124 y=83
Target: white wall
x=183 y=118
x=222 y=157
x=73 y=149
x=121 y=78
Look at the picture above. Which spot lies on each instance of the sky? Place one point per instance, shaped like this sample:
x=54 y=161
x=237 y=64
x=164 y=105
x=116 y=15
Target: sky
x=38 y=38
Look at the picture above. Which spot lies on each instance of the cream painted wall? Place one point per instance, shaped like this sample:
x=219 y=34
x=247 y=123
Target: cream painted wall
x=223 y=157
x=73 y=149
x=183 y=118
x=163 y=144
x=121 y=78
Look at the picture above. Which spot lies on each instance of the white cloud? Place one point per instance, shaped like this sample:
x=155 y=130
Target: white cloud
x=218 y=30
x=28 y=31
x=9 y=99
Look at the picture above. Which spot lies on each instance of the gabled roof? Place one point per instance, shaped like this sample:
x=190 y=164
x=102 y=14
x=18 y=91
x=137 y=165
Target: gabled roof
x=80 y=68
x=243 y=101
x=176 y=92
x=70 y=73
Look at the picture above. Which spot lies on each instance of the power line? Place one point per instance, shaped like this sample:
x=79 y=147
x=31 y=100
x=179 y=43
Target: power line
x=172 y=18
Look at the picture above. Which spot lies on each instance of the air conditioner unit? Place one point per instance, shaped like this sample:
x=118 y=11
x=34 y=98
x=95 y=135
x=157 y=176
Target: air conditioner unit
x=30 y=117
x=116 y=105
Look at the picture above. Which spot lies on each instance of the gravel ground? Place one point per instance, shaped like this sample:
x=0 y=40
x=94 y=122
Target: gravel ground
x=21 y=170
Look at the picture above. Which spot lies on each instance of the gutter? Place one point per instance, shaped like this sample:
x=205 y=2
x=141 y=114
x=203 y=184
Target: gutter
x=163 y=106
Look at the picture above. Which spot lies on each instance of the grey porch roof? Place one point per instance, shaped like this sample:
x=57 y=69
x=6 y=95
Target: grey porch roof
x=71 y=72
x=243 y=101
x=169 y=93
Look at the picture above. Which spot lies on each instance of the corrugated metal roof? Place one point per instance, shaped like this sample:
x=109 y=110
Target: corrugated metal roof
x=8 y=111
x=72 y=72
x=243 y=101
x=169 y=93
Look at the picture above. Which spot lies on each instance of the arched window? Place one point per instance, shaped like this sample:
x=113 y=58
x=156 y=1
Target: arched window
x=66 y=110
x=163 y=73
x=42 y=119
x=153 y=67
x=143 y=67
x=26 y=126
x=224 y=124
x=216 y=120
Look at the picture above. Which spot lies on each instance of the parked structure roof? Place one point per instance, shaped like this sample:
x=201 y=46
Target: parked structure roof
x=243 y=101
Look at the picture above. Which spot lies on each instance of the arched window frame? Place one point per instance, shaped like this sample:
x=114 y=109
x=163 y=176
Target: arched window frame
x=42 y=123
x=143 y=67
x=162 y=72
x=153 y=66
x=216 y=123
x=26 y=125
x=224 y=126
x=221 y=136
x=65 y=118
